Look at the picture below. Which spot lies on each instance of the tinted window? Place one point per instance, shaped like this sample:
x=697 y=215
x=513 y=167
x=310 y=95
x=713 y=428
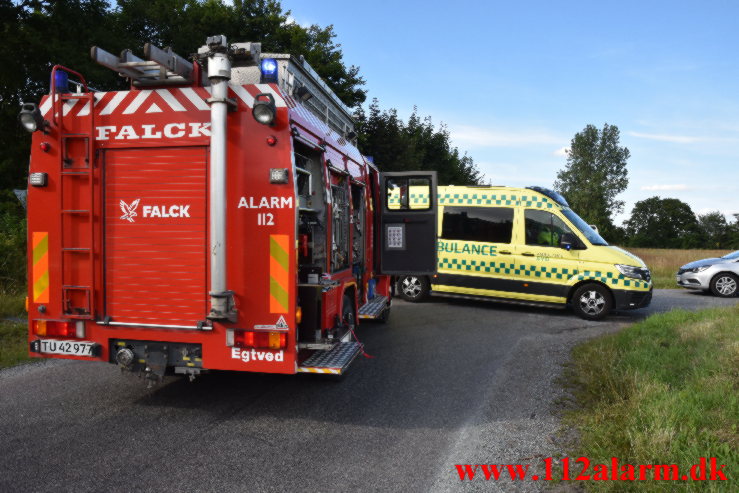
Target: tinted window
x=484 y=224
x=544 y=228
x=408 y=193
x=593 y=237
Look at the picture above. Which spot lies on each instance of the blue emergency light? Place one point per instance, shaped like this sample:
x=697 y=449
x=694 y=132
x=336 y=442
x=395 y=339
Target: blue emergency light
x=269 y=70
x=61 y=81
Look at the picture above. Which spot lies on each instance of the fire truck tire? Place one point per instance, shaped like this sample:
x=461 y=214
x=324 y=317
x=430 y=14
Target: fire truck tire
x=413 y=288
x=348 y=318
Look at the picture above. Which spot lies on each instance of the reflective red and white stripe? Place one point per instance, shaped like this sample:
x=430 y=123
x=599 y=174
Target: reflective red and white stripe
x=147 y=101
x=308 y=369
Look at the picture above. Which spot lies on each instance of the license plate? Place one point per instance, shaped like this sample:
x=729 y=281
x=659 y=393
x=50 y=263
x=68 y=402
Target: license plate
x=69 y=348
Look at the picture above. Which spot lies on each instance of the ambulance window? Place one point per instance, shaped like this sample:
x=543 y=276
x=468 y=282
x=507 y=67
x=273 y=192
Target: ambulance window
x=483 y=224
x=408 y=193
x=544 y=228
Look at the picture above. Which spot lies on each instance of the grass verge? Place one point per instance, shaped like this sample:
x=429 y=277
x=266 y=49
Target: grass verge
x=664 y=263
x=663 y=391
x=13 y=333
x=12 y=305
x=13 y=343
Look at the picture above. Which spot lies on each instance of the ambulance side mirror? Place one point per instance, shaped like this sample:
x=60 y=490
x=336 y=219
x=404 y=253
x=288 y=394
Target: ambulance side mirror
x=569 y=241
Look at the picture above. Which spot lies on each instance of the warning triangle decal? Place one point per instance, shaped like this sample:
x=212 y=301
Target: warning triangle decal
x=281 y=324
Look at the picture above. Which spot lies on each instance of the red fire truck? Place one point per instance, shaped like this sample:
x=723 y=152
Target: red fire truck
x=215 y=216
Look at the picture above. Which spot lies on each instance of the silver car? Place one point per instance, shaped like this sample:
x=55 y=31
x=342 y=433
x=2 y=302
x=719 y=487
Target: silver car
x=718 y=275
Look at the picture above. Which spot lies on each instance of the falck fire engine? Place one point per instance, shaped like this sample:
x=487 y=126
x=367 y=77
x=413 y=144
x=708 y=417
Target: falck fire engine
x=215 y=216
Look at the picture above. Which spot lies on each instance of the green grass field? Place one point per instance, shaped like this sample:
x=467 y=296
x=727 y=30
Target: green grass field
x=664 y=263
x=663 y=391
x=13 y=333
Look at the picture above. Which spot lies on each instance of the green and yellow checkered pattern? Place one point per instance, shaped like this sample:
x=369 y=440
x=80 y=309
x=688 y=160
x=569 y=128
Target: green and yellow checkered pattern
x=546 y=272
x=417 y=201
x=490 y=198
x=612 y=279
x=505 y=268
x=482 y=198
x=540 y=271
x=475 y=265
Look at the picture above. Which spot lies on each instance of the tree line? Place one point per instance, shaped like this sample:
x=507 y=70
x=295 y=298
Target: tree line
x=671 y=223
x=596 y=173
x=38 y=34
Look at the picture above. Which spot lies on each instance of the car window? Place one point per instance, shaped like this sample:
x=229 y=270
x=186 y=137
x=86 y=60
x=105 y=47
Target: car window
x=593 y=237
x=483 y=224
x=544 y=228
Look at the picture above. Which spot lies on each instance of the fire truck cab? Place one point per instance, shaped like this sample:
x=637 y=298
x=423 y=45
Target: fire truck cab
x=217 y=215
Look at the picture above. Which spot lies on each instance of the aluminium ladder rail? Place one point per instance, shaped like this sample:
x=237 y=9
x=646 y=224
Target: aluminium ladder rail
x=162 y=67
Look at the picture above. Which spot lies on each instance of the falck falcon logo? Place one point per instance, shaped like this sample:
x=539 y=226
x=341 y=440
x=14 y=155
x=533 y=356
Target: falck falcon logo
x=129 y=211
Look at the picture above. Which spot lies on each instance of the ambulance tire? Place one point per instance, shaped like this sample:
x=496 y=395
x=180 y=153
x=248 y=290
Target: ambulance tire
x=413 y=288
x=592 y=301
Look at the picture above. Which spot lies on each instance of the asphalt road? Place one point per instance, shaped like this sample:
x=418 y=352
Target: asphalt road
x=451 y=382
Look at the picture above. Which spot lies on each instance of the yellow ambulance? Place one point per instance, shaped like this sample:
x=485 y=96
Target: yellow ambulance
x=525 y=245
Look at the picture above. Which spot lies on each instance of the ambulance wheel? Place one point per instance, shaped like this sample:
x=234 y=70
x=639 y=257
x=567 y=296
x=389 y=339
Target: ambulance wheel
x=592 y=301
x=413 y=288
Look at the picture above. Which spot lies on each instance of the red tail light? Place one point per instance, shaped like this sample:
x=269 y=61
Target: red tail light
x=268 y=340
x=51 y=328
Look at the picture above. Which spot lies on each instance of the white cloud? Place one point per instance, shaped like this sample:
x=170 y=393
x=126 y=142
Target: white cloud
x=677 y=139
x=467 y=135
x=293 y=20
x=561 y=152
x=665 y=188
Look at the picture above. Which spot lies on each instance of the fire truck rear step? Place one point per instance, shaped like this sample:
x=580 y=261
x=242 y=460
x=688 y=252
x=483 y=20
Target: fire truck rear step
x=374 y=308
x=334 y=361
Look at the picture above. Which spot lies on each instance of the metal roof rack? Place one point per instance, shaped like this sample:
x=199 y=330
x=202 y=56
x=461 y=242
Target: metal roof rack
x=162 y=66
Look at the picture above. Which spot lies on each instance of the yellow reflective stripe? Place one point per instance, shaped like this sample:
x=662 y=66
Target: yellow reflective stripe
x=278 y=250
x=279 y=295
x=41 y=289
x=279 y=269
x=40 y=246
x=40 y=268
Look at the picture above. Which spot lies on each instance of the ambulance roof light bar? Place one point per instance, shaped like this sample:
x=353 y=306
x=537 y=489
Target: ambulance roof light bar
x=163 y=67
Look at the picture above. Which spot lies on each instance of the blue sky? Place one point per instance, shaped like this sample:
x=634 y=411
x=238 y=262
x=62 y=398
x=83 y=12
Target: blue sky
x=514 y=81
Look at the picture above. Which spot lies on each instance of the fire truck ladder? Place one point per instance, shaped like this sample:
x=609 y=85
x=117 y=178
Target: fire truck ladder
x=162 y=67
x=76 y=194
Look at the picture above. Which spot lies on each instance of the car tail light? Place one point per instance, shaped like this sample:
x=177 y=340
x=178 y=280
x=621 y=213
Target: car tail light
x=53 y=328
x=268 y=340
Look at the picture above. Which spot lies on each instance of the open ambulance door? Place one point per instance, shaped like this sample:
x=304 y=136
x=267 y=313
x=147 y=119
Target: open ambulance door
x=408 y=222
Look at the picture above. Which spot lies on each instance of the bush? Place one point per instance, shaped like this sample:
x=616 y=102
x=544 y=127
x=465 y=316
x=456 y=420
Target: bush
x=12 y=244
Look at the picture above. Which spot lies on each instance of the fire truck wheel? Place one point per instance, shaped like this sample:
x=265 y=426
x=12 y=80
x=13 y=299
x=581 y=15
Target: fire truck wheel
x=347 y=314
x=413 y=288
x=385 y=316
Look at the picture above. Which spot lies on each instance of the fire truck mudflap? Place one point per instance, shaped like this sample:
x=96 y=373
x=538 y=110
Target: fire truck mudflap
x=199 y=223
